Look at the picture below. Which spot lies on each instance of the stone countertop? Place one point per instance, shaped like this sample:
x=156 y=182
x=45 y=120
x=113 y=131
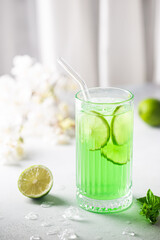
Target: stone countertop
x=61 y=160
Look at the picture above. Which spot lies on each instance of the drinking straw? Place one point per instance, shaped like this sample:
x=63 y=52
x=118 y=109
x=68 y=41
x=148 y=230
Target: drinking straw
x=76 y=77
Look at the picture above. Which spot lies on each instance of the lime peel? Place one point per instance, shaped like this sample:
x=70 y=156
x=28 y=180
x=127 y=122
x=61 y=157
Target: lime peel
x=95 y=130
x=121 y=126
x=118 y=155
x=149 y=111
x=35 y=181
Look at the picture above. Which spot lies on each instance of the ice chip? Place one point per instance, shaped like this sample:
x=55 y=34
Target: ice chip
x=47 y=224
x=47 y=204
x=132 y=234
x=35 y=237
x=67 y=234
x=31 y=216
x=72 y=213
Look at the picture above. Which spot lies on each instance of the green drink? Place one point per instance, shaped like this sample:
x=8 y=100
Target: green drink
x=104 y=136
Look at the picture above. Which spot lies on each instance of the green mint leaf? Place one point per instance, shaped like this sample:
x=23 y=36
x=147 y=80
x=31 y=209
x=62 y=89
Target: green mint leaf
x=149 y=212
x=150 y=198
x=157 y=206
x=157 y=199
x=153 y=217
x=142 y=200
x=150 y=206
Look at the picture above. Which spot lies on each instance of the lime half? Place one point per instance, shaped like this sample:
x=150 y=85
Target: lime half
x=121 y=126
x=116 y=154
x=94 y=130
x=35 y=181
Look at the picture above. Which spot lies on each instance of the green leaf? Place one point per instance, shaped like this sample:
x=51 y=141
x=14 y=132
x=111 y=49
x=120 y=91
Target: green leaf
x=150 y=206
x=142 y=200
x=150 y=212
x=157 y=199
x=150 y=198
x=157 y=206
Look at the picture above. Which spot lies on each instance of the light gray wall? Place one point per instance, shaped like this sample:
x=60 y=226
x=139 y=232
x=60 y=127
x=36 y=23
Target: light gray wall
x=18 y=31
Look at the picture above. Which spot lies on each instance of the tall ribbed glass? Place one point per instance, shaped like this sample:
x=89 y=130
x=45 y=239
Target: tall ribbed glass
x=104 y=140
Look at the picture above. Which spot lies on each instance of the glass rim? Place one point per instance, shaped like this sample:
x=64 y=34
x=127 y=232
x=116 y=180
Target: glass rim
x=111 y=103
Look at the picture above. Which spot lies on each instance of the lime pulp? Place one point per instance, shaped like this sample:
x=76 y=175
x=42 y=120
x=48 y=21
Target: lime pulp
x=94 y=130
x=35 y=181
x=121 y=126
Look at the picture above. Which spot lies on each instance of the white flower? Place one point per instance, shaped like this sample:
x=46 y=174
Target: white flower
x=7 y=89
x=63 y=139
x=66 y=123
x=64 y=109
x=36 y=101
x=21 y=64
x=11 y=150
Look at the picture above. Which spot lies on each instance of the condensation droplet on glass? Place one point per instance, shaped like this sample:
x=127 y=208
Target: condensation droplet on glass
x=67 y=234
x=35 y=237
x=72 y=213
x=47 y=204
x=31 y=216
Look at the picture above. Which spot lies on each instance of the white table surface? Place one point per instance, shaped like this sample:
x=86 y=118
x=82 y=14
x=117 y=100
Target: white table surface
x=61 y=160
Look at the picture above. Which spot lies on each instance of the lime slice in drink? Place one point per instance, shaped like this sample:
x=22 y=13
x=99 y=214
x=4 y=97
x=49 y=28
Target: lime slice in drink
x=94 y=130
x=116 y=154
x=121 y=126
x=35 y=181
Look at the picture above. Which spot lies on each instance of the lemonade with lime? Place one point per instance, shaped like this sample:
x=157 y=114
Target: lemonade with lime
x=104 y=139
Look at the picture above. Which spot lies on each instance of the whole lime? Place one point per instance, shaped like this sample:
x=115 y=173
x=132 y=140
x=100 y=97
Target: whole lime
x=149 y=111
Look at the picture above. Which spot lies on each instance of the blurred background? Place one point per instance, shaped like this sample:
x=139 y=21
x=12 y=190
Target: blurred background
x=109 y=42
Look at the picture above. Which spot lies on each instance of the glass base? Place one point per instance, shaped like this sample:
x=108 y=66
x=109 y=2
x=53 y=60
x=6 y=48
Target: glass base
x=104 y=206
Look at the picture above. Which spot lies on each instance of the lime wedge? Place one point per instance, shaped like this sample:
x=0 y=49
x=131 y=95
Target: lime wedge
x=94 y=130
x=121 y=126
x=35 y=181
x=116 y=154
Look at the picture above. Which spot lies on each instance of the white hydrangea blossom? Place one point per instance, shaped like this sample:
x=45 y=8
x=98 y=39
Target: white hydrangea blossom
x=35 y=100
x=12 y=149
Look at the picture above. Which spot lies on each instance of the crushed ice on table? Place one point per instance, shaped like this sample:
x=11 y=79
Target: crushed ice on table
x=31 y=216
x=132 y=234
x=53 y=231
x=72 y=213
x=35 y=237
x=47 y=224
x=47 y=204
x=67 y=234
